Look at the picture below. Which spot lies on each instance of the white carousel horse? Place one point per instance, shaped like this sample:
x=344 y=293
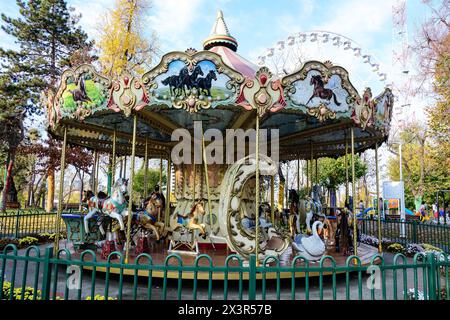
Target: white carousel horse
x=311 y=248
x=116 y=205
x=148 y=219
x=190 y=220
x=94 y=205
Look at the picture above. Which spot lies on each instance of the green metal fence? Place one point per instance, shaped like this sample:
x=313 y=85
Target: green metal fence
x=22 y=223
x=418 y=232
x=33 y=274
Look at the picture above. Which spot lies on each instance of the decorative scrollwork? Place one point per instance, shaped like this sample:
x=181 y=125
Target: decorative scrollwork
x=322 y=113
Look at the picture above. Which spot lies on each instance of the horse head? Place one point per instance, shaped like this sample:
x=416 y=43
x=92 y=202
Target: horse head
x=316 y=80
x=121 y=185
x=198 y=208
x=212 y=74
x=197 y=72
x=165 y=81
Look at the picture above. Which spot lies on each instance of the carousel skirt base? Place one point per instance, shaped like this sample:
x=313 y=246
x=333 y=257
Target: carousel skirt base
x=159 y=252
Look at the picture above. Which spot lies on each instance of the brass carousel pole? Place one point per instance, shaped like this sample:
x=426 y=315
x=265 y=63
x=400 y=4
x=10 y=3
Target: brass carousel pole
x=257 y=189
x=317 y=171
x=160 y=173
x=113 y=162
x=272 y=198
x=380 y=249
x=307 y=175
x=207 y=183
x=312 y=163
x=298 y=174
x=97 y=169
x=346 y=170
x=146 y=169
x=160 y=183
x=130 y=213
x=94 y=170
x=355 y=241
x=167 y=213
x=60 y=194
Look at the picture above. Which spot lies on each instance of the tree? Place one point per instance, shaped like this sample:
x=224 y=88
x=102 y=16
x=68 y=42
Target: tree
x=153 y=180
x=122 y=46
x=47 y=33
x=48 y=156
x=332 y=173
x=424 y=172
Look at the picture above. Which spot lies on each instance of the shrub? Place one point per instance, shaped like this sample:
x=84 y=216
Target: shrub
x=28 y=294
x=27 y=241
x=396 y=248
x=99 y=297
x=429 y=247
x=412 y=248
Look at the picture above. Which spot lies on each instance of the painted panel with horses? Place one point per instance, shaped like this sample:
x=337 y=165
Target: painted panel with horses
x=82 y=92
x=192 y=81
x=321 y=90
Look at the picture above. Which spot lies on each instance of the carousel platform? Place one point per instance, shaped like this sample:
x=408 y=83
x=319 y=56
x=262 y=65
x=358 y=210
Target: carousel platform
x=159 y=254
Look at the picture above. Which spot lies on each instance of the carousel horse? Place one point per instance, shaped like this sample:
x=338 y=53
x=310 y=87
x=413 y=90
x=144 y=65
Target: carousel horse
x=320 y=91
x=116 y=205
x=190 y=220
x=148 y=219
x=312 y=207
x=344 y=232
x=94 y=205
x=294 y=215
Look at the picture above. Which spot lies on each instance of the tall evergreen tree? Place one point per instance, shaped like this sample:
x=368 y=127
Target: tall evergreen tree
x=46 y=33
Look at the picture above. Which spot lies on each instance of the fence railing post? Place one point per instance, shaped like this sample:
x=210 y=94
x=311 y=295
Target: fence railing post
x=432 y=285
x=414 y=231
x=252 y=278
x=46 y=278
x=16 y=232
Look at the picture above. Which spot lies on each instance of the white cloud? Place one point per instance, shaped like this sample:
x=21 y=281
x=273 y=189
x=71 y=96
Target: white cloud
x=91 y=12
x=172 y=19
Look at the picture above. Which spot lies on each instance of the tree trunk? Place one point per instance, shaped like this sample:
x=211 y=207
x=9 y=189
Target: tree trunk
x=10 y=163
x=50 y=190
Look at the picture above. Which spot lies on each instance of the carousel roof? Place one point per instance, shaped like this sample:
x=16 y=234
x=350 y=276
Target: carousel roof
x=313 y=108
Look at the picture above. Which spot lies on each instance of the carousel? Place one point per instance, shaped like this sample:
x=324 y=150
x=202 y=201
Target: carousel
x=194 y=111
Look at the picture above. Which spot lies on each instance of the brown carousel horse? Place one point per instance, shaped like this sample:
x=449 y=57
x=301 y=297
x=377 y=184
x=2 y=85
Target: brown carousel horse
x=190 y=220
x=320 y=91
x=148 y=219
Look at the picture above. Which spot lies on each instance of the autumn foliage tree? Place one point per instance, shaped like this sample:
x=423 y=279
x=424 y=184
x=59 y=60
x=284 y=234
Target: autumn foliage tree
x=48 y=156
x=122 y=45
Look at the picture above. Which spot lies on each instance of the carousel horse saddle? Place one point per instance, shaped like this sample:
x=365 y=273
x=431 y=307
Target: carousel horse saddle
x=150 y=216
x=183 y=220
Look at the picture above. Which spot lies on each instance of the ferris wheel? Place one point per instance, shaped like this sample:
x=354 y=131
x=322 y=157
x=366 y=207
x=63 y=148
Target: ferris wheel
x=289 y=55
